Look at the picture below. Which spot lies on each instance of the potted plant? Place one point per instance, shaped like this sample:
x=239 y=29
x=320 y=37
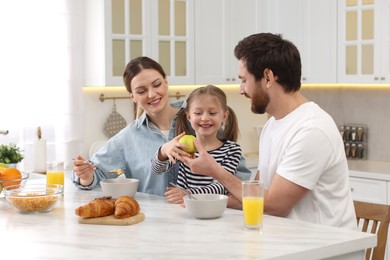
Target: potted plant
x=10 y=154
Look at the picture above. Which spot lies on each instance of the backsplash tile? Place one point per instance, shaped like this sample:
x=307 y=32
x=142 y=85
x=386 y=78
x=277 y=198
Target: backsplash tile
x=370 y=107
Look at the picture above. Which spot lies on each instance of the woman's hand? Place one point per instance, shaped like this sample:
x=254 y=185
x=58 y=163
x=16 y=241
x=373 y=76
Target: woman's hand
x=83 y=170
x=174 y=195
x=172 y=149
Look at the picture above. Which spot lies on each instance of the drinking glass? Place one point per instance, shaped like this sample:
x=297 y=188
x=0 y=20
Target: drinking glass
x=55 y=173
x=253 y=204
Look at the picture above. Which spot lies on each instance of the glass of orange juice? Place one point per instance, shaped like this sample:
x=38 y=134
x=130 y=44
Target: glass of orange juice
x=55 y=173
x=253 y=204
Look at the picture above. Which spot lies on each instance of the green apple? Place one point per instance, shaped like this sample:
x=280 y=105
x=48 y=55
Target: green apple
x=189 y=141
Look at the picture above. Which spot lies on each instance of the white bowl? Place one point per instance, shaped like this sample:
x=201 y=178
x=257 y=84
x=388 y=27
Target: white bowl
x=206 y=206
x=119 y=187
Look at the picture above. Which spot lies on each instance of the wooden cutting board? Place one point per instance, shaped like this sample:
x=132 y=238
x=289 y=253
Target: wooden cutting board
x=111 y=220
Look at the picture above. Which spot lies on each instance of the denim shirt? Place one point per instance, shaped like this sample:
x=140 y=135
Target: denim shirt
x=132 y=150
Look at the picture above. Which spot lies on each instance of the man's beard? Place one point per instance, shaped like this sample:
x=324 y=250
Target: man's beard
x=259 y=102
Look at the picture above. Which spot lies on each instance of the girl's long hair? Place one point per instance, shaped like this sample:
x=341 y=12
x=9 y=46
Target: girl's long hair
x=229 y=131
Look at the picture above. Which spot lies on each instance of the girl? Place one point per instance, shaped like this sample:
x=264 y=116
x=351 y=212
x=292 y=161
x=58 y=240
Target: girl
x=216 y=128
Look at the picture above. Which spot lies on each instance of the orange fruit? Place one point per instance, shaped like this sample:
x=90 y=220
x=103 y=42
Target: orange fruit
x=9 y=174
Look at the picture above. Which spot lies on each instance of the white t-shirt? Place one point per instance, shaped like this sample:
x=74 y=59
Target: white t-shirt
x=306 y=148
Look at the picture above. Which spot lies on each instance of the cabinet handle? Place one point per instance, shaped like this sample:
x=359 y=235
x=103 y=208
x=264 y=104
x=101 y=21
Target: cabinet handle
x=383 y=78
x=304 y=78
x=233 y=79
x=352 y=189
x=376 y=78
x=228 y=79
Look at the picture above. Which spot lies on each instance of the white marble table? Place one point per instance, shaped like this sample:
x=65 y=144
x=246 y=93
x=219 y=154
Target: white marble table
x=167 y=233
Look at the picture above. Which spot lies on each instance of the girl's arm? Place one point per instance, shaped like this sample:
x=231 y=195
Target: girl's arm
x=160 y=166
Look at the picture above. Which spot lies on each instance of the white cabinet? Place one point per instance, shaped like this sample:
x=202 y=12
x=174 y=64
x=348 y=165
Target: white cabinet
x=312 y=26
x=368 y=190
x=120 y=30
x=319 y=48
x=219 y=25
x=364 y=41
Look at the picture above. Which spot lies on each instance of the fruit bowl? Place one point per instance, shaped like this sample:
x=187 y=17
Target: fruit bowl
x=33 y=198
x=9 y=182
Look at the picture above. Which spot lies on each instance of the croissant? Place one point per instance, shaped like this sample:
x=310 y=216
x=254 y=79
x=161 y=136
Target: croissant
x=96 y=208
x=125 y=207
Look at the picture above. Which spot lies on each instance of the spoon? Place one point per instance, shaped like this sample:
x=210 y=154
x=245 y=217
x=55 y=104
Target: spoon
x=184 y=190
x=117 y=171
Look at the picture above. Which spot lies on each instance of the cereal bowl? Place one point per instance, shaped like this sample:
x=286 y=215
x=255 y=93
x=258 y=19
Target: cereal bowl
x=119 y=187
x=9 y=182
x=206 y=206
x=33 y=198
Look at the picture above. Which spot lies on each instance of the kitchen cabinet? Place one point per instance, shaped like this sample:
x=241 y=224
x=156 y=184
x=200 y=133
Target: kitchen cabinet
x=120 y=30
x=219 y=25
x=369 y=190
x=312 y=26
x=364 y=41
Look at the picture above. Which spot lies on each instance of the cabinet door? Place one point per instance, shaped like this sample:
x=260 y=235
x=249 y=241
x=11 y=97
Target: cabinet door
x=319 y=47
x=127 y=36
x=369 y=190
x=172 y=39
x=311 y=26
x=361 y=24
x=118 y=31
x=219 y=25
x=385 y=42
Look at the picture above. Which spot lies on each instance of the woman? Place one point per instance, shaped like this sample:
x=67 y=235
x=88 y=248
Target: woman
x=133 y=147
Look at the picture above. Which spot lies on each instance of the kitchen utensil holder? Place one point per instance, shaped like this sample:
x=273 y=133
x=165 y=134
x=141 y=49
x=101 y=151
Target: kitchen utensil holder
x=355 y=140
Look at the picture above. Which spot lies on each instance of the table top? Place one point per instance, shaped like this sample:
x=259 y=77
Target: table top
x=167 y=232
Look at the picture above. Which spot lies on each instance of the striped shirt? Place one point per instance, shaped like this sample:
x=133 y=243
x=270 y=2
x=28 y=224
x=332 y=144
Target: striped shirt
x=228 y=155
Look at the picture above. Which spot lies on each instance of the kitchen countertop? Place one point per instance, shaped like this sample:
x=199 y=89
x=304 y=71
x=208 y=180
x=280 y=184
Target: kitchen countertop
x=168 y=232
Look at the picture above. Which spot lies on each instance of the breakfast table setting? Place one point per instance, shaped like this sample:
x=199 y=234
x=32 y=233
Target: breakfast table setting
x=166 y=231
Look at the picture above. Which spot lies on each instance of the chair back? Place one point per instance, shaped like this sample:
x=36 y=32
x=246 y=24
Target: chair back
x=374 y=218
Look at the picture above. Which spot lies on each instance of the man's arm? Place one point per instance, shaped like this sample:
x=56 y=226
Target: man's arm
x=205 y=164
x=282 y=196
x=278 y=200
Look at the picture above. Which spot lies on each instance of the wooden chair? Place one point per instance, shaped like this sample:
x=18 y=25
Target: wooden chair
x=374 y=218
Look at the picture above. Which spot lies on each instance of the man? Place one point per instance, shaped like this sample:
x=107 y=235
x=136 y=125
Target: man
x=302 y=161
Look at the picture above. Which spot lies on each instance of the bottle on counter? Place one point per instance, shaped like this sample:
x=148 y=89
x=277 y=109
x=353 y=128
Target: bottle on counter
x=40 y=153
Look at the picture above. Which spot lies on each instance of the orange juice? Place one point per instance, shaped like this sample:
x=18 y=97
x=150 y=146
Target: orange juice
x=55 y=177
x=253 y=211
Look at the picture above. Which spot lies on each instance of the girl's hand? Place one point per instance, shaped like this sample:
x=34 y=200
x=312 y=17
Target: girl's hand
x=172 y=149
x=174 y=195
x=83 y=170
